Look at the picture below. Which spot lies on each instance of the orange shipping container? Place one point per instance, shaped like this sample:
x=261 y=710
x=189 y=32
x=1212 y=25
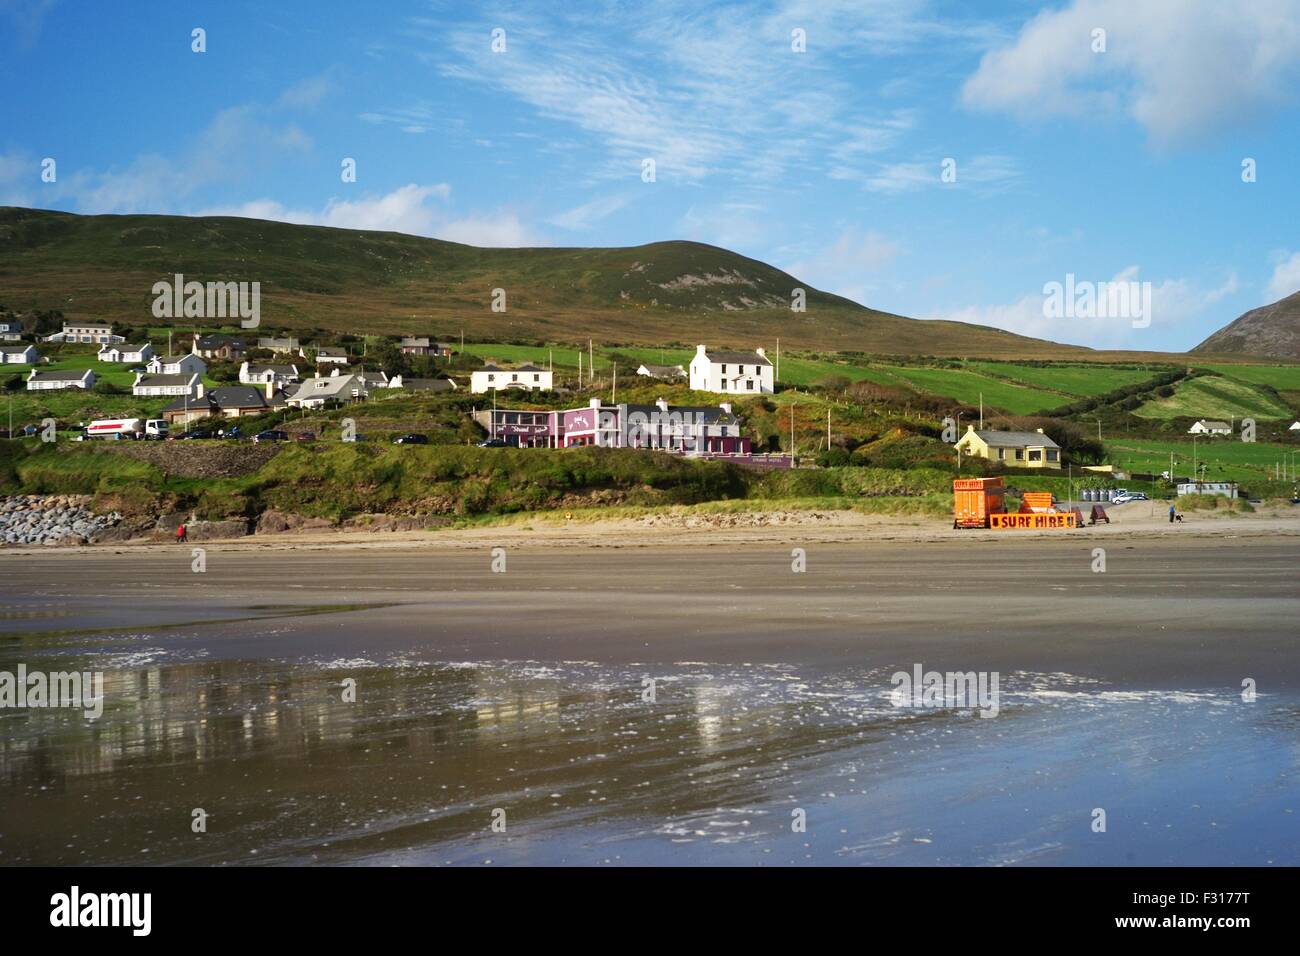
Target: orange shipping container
x=974 y=499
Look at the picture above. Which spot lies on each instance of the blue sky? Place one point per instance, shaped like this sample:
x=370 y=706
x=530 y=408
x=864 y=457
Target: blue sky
x=1125 y=162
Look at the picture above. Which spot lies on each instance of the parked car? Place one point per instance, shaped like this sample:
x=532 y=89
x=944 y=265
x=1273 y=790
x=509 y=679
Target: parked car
x=230 y=433
x=271 y=434
x=493 y=443
x=411 y=440
x=305 y=436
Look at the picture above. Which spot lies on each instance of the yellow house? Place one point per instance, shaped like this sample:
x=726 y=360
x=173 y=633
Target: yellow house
x=1013 y=449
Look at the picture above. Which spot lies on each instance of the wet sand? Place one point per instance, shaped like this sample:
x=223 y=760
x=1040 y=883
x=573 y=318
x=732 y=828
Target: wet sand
x=523 y=691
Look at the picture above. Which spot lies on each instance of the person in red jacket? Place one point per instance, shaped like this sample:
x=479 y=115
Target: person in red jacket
x=181 y=535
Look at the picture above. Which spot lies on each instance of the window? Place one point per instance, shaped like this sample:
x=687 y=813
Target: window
x=1002 y=454
x=491 y=377
x=1020 y=454
x=749 y=384
x=740 y=370
x=724 y=384
x=1052 y=455
x=1036 y=455
x=514 y=378
x=537 y=378
x=724 y=370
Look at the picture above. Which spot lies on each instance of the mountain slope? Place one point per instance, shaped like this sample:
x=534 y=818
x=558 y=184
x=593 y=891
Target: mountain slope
x=1271 y=330
x=352 y=281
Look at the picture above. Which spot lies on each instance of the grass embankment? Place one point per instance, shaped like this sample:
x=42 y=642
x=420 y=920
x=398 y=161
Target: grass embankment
x=337 y=480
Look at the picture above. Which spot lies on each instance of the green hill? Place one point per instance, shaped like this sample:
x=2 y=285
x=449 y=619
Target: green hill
x=346 y=280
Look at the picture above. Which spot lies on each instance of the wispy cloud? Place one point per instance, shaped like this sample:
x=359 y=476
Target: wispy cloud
x=1180 y=68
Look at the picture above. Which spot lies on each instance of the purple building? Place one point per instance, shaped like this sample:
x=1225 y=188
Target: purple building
x=680 y=428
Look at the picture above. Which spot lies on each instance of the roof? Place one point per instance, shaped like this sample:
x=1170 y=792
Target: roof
x=706 y=414
x=269 y=367
x=511 y=368
x=333 y=387
x=1208 y=424
x=421 y=341
x=15 y=349
x=331 y=350
x=228 y=396
x=216 y=341
x=173 y=359
x=183 y=378
x=742 y=358
x=663 y=371
x=86 y=325
x=123 y=347
x=428 y=384
x=1015 y=439
x=62 y=375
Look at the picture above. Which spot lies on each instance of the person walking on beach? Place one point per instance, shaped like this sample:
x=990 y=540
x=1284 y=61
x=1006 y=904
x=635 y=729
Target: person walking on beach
x=1171 y=514
x=182 y=536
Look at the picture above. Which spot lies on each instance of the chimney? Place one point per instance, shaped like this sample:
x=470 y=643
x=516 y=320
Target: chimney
x=1039 y=430
x=198 y=389
x=969 y=428
x=594 y=403
x=270 y=388
x=760 y=353
x=699 y=350
x=725 y=406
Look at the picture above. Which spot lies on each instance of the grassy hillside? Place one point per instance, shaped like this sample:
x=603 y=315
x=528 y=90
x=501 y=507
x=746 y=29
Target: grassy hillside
x=350 y=281
x=1214 y=396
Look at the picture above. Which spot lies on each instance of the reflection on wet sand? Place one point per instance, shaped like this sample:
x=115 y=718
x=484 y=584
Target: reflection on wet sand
x=289 y=769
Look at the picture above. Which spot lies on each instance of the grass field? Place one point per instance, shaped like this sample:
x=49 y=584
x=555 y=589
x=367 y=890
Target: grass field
x=1213 y=396
x=1229 y=459
x=1285 y=378
x=1083 y=381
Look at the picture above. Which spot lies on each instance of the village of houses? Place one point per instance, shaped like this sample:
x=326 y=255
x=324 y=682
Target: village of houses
x=290 y=375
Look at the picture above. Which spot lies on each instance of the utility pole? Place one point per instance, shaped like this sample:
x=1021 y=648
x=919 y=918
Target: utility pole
x=778 y=362
x=613 y=395
x=792 y=434
x=580 y=368
x=981 y=411
x=591 y=361
x=828 y=429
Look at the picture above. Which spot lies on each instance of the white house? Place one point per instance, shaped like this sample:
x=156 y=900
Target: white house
x=323 y=389
x=19 y=355
x=126 y=353
x=288 y=344
x=327 y=354
x=66 y=378
x=1204 y=427
x=258 y=373
x=11 y=330
x=665 y=373
x=188 y=364
x=743 y=373
x=1228 y=488
x=152 y=386
x=530 y=378
x=100 y=333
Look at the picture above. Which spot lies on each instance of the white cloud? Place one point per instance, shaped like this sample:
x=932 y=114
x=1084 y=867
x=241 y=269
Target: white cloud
x=983 y=171
x=848 y=265
x=706 y=90
x=1180 y=68
x=584 y=216
x=1174 y=303
x=1286 y=277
